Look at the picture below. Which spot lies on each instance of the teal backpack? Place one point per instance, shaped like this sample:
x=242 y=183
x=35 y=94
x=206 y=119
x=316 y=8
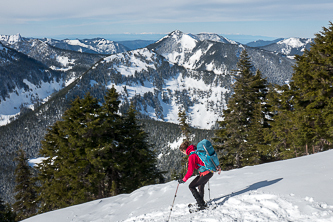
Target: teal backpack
x=207 y=154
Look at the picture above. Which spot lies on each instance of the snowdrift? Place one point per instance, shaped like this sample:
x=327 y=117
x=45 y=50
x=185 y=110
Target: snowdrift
x=298 y=189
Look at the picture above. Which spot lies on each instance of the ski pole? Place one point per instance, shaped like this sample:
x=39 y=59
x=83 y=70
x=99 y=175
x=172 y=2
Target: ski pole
x=173 y=202
x=209 y=190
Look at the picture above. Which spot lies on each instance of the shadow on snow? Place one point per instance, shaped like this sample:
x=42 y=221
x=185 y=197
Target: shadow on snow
x=254 y=186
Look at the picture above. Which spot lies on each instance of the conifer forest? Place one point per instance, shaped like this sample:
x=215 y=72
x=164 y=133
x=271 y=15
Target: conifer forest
x=98 y=149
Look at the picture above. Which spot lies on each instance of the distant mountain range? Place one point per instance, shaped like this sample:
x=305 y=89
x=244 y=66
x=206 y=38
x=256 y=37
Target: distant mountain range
x=31 y=70
x=202 y=55
x=289 y=47
x=40 y=77
x=260 y=43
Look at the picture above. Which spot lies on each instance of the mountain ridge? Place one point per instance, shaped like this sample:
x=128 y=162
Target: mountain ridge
x=157 y=82
x=290 y=47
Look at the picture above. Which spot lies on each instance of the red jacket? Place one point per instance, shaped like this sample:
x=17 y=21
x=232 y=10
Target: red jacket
x=193 y=162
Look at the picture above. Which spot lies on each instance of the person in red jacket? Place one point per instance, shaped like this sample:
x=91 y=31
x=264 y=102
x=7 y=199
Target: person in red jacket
x=194 y=162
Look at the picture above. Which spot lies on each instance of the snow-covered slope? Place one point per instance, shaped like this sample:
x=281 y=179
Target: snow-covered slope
x=292 y=190
x=97 y=45
x=177 y=47
x=10 y=39
x=290 y=47
x=199 y=52
x=36 y=70
x=260 y=43
x=214 y=37
x=159 y=88
x=24 y=82
x=201 y=87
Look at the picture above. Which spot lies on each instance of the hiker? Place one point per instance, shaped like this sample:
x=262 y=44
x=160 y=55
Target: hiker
x=194 y=162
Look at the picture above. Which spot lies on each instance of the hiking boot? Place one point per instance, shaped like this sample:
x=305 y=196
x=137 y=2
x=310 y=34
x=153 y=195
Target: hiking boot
x=201 y=203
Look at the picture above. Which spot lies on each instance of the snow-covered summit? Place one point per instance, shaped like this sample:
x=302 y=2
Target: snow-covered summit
x=290 y=47
x=296 y=190
x=295 y=42
x=99 y=45
x=185 y=41
x=96 y=45
x=176 y=46
x=214 y=37
x=11 y=39
x=213 y=53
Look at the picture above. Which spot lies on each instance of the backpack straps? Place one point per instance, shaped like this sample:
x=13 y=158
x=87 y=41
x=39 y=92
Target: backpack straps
x=210 y=159
x=195 y=152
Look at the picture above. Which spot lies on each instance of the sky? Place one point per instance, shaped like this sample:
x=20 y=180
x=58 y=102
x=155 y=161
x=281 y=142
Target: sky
x=75 y=18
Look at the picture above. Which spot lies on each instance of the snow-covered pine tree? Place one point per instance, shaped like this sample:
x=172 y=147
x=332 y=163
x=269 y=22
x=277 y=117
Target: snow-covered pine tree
x=25 y=205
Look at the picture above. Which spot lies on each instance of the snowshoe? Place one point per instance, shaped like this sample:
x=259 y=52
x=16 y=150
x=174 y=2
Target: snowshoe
x=208 y=206
x=195 y=208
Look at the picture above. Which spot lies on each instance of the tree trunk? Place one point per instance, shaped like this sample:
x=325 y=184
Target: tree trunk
x=306 y=149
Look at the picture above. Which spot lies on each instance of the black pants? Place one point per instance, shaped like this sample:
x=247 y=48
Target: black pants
x=200 y=182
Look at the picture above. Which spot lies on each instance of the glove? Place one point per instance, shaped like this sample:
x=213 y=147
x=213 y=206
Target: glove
x=180 y=181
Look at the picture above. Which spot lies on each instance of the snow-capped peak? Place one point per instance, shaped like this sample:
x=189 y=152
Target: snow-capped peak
x=185 y=41
x=295 y=42
x=11 y=39
x=214 y=37
x=176 y=32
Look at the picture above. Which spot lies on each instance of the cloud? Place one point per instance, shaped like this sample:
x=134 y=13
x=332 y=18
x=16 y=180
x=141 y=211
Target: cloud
x=152 y=11
x=264 y=17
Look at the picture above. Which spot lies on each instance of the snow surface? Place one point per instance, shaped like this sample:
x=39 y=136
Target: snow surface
x=214 y=37
x=100 y=45
x=33 y=162
x=298 y=189
x=186 y=44
x=187 y=56
x=137 y=65
x=203 y=114
x=10 y=107
x=11 y=39
x=294 y=43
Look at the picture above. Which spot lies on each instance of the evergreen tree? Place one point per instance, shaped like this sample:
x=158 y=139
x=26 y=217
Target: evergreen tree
x=184 y=126
x=66 y=176
x=140 y=160
x=2 y=209
x=109 y=157
x=312 y=91
x=48 y=188
x=25 y=205
x=240 y=131
x=258 y=151
x=94 y=153
x=6 y=213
